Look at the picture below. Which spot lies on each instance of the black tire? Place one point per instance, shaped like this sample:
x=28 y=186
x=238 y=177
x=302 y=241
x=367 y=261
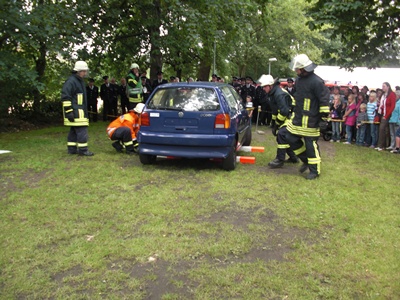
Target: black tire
x=247 y=137
x=147 y=159
x=327 y=136
x=229 y=163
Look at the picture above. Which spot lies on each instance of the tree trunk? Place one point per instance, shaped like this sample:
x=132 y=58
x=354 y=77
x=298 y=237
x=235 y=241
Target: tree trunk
x=156 y=58
x=40 y=67
x=203 y=72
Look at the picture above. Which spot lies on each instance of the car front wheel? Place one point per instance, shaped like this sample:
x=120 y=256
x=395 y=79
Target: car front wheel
x=147 y=159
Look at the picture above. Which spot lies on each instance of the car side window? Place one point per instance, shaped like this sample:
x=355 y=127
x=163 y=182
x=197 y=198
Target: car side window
x=230 y=98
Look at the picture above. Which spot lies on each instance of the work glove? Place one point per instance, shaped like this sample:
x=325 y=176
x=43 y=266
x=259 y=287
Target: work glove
x=70 y=116
x=323 y=123
x=275 y=129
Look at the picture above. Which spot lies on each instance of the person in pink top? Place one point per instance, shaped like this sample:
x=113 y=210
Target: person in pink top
x=350 y=118
x=386 y=107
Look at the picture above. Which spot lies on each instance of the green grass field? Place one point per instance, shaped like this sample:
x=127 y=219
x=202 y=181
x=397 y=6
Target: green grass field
x=106 y=227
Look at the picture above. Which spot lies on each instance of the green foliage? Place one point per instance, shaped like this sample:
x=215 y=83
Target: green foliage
x=42 y=39
x=368 y=30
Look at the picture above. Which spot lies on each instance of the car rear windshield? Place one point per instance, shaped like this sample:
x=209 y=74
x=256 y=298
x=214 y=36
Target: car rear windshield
x=185 y=98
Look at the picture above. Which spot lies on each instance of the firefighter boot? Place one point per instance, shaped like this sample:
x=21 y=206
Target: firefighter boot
x=117 y=146
x=293 y=160
x=312 y=176
x=130 y=150
x=85 y=153
x=313 y=172
x=276 y=163
x=303 y=168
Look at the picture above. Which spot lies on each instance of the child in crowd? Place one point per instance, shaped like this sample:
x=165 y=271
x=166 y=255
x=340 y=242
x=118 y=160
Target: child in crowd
x=361 y=125
x=249 y=106
x=395 y=119
x=394 y=122
x=372 y=107
x=336 y=116
x=349 y=118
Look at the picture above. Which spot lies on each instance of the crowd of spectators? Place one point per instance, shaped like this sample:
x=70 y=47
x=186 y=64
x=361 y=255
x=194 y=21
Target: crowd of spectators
x=366 y=117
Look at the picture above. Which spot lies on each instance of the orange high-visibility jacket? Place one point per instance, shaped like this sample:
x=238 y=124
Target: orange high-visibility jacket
x=130 y=120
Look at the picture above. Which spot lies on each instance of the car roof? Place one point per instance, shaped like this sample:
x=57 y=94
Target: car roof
x=198 y=84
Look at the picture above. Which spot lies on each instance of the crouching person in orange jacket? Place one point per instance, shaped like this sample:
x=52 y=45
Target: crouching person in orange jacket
x=123 y=130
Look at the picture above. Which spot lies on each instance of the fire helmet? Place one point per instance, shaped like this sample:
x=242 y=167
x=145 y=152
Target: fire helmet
x=134 y=66
x=266 y=80
x=302 y=61
x=80 y=65
x=139 y=108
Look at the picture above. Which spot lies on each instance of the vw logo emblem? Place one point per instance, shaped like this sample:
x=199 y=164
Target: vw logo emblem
x=180 y=114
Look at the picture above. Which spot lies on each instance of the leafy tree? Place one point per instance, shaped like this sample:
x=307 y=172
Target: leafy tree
x=368 y=30
x=32 y=33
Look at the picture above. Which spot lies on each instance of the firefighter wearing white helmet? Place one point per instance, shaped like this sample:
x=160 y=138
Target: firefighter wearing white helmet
x=281 y=103
x=134 y=86
x=123 y=130
x=311 y=105
x=75 y=111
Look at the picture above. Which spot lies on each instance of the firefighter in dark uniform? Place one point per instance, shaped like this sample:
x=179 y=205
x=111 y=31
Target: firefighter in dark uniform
x=92 y=93
x=281 y=104
x=312 y=106
x=122 y=91
x=147 y=89
x=107 y=95
x=134 y=86
x=114 y=102
x=290 y=86
x=160 y=80
x=75 y=110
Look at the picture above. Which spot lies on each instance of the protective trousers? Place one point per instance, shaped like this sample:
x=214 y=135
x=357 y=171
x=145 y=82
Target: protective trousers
x=283 y=145
x=77 y=139
x=123 y=134
x=307 y=150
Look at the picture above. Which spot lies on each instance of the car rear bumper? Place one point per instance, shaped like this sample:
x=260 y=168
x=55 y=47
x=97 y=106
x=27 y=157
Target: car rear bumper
x=184 y=151
x=185 y=145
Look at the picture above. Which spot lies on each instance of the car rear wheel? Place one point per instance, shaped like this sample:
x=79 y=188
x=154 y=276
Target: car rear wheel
x=229 y=163
x=147 y=159
x=247 y=137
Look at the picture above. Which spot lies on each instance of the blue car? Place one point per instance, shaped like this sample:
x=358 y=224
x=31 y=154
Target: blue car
x=194 y=120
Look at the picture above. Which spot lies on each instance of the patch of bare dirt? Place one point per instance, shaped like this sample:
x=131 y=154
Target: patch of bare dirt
x=29 y=178
x=159 y=278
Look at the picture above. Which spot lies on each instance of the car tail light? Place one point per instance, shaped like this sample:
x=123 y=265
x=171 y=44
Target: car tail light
x=145 y=119
x=222 y=121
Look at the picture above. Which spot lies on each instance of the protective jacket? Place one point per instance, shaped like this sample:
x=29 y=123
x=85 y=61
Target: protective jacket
x=130 y=120
x=73 y=97
x=134 y=88
x=281 y=104
x=311 y=101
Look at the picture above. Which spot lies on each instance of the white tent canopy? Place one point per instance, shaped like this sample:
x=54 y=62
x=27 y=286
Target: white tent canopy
x=360 y=76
